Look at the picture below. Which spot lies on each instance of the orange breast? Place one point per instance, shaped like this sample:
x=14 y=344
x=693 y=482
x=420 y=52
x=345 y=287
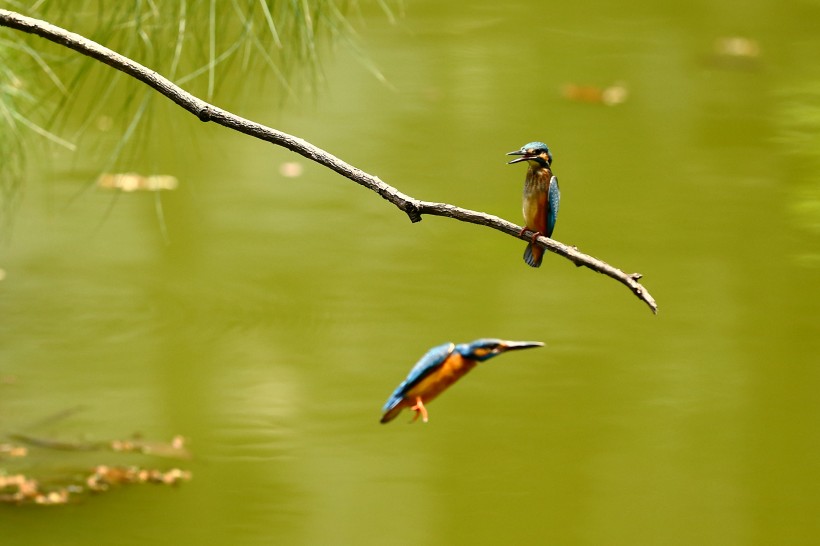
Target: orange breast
x=536 y=188
x=437 y=382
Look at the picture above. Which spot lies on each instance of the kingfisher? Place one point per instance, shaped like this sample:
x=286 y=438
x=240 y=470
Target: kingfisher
x=441 y=367
x=541 y=196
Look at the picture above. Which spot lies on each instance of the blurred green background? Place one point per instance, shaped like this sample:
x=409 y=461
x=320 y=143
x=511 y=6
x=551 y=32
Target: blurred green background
x=267 y=317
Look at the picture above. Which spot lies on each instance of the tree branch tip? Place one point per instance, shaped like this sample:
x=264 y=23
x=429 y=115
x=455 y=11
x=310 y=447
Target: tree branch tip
x=641 y=292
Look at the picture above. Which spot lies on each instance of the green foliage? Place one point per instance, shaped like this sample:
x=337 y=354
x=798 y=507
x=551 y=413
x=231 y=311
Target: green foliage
x=205 y=47
x=196 y=42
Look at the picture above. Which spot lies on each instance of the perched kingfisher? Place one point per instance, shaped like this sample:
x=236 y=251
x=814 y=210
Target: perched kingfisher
x=441 y=367
x=541 y=196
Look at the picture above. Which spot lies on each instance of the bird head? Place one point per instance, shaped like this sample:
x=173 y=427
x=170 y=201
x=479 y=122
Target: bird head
x=485 y=349
x=536 y=153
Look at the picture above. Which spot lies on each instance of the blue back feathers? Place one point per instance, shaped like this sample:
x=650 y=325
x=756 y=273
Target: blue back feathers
x=479 y=350
x=553 y=200
x=434 y=358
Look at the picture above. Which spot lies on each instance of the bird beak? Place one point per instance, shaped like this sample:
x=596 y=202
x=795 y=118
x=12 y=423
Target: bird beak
x=515 y=345
x=518 y=159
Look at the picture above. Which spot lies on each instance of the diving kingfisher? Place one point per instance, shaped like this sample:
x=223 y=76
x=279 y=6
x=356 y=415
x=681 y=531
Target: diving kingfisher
x=441 y=367
x=541 y=196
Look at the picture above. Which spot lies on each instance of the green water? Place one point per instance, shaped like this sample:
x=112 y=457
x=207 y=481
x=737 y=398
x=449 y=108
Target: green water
x=267 y=319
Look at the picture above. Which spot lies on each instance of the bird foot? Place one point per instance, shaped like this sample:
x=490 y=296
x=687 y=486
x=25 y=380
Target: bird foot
x=534 y=235
x=420 y=410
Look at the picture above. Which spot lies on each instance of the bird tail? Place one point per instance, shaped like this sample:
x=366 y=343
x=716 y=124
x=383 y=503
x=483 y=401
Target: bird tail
x=392 y=408
x=533 y=255
x=391 y=414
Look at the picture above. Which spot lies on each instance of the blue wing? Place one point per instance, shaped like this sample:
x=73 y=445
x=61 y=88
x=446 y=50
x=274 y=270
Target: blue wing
x=434 y=358
x=553 y=199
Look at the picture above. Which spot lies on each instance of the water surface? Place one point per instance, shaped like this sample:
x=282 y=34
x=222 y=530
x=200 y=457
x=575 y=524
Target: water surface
x=267 y=318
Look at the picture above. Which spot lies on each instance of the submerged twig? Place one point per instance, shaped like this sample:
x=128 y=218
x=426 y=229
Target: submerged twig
x=20 y=488
x=414 y=208
x=174 y=449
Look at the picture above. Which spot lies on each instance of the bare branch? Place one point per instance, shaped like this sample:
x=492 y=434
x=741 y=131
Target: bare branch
x=414 y=208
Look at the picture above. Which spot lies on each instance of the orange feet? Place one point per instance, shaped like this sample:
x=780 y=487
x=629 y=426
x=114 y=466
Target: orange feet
x=420 y=410
x=534 y=236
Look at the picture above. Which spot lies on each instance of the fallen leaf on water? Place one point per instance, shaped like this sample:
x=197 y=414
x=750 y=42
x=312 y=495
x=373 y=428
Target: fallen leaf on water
x=129 y=182
x=609 y=96
x=291 y=169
